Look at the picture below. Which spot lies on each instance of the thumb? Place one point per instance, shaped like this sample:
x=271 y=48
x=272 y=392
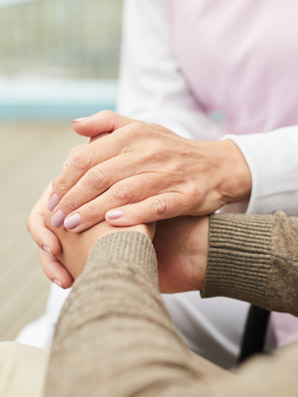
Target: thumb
x=104 y=121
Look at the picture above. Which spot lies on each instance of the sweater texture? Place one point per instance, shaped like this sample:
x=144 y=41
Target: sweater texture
x=115 y=337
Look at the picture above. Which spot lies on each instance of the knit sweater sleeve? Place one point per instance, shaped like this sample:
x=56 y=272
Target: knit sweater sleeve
x=114 y=336
x=254 y=258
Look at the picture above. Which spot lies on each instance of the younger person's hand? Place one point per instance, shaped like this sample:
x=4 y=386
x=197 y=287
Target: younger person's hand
x=142 y=172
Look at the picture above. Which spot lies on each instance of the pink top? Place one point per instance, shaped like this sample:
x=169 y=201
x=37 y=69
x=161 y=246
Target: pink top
x=240 y=58
x=247 y=51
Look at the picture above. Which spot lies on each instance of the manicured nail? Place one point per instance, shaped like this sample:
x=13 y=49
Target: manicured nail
x=53 y=202
x=46 y=249
x=114 y=214
x=57 y=282
x=73 y=221
x=81 y=120
x=58 y=219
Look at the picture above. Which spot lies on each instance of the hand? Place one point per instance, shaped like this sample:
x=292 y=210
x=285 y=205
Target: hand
x=182 y=246
x=76 y=247
x=142 y=173
x=48 y=242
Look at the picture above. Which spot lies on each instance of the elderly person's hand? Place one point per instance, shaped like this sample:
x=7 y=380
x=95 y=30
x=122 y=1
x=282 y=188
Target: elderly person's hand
x=141 y=173
x=48 y=242
x=181 y=246
x=76 y=247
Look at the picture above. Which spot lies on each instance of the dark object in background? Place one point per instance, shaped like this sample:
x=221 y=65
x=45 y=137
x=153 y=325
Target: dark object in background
x=254 y=333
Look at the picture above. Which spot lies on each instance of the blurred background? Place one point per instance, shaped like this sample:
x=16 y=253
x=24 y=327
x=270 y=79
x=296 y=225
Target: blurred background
x=59 y=60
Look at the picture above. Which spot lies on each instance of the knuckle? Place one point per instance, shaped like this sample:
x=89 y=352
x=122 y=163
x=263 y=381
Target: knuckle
x=75 y=149
x=91 y=214
x=82 y=160
x=155 y=129
x=191 y=198
x=159 y=206
x=96 y=178
x=70 y=202
x=106 y=113
x=193 y=194
x=139 y=125
x=136 y=125
x=60 y=184
x=123 y=193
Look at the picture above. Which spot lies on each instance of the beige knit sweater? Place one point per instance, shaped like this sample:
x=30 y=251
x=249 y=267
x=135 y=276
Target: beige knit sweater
x=115 y=337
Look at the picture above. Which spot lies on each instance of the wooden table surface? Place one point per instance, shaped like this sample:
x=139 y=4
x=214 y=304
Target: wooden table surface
x=31 y=154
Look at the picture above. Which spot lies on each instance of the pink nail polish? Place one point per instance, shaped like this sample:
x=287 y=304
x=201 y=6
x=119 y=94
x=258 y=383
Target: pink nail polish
x=58 y=219
x=46 y=249
x=72 y=222
x=57 y=282
x=114 y=214
x=81 y=119
x=53 y=202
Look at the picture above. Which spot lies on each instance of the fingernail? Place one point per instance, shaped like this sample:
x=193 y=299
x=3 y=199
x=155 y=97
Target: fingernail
x=46 y=249
x=58 y=219
x=114 y=214
x=65 y=163
x=53 y=202
x=57 y=282
x=73 y=221
x=81 y=119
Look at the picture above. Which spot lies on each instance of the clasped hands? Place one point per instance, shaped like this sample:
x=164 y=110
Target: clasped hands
x=131 y=173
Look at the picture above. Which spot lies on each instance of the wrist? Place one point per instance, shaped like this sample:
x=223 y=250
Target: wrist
x=236 y=180
x=182 y=246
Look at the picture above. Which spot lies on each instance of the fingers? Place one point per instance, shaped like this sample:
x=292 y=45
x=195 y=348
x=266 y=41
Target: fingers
x=105 y=121
x=55 y=271
x=80 y=162
x=44 y=237
x=129 y=190
x=84 y=159
x=152 y=209
x=72 y=152
x=96 y=181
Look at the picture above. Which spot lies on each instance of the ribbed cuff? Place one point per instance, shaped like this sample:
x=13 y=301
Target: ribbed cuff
x=239 y=257
x=131 y=249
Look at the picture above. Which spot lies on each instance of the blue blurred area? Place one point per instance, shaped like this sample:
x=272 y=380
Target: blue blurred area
x=55 y=99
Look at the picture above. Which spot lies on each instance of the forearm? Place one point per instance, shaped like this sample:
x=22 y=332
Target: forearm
x=254 y=258
x=114 y=336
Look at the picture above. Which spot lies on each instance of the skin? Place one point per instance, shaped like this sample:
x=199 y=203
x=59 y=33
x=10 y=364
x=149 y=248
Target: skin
x=126 y=162
x=77 y=247
x=146 y=173
x=181 y=246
